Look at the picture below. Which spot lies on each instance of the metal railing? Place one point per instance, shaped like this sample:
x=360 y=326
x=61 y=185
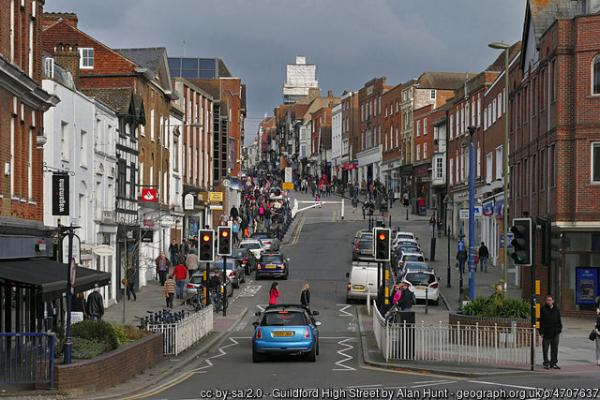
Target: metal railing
x=181 y=335
x=26 y=358
x=473 y=344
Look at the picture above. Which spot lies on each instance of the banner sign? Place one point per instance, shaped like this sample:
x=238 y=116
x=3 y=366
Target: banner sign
x=60 y=194
x=149 y=195
x=488 y=208
x=215 y=197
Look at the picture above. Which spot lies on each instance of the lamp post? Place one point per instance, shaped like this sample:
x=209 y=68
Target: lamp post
x=471 y=214
x=448 y=203
x=505 y=176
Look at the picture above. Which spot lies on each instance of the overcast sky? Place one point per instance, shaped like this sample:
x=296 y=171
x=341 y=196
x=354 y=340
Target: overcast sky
x=350 y=41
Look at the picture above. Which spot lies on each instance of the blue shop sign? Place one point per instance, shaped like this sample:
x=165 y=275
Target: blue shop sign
x=586 y=285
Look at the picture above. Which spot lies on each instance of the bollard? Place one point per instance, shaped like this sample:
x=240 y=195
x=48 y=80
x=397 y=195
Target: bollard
x=407 y=213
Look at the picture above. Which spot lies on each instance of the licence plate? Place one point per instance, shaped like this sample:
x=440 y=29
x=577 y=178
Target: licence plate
x=359 y=287
x=270 y=266
x=283 y=333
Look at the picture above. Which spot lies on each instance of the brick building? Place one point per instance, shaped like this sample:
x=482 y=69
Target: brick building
x=392 y=149
x=350 y=133
x=555 y=146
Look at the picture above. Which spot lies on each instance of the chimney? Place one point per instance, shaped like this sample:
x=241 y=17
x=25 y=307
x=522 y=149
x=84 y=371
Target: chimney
x=330 y=93
x=67 y=56
x=51 y=18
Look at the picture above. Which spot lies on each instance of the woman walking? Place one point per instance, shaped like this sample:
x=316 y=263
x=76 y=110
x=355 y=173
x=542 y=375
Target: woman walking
x=273 y=293
x=305 y=296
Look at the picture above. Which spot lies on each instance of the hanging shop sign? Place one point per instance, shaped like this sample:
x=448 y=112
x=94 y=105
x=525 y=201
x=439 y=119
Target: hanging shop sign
x=60 y=194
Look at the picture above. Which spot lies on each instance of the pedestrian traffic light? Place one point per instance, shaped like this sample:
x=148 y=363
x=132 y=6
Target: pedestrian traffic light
x=382 y=244
x=521 y=242
x=224 y=241
x=207 y=245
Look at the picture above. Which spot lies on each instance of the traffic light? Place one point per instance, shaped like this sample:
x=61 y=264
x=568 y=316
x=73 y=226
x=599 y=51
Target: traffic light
x=382 y=244
x=207 y=245
x=521 y=242
x=224 y=241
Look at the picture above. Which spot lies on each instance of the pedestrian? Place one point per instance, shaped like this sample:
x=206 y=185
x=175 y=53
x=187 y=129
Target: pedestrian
x=130 y=283
x=550 y=329
x=235 y=229
x=396 y=294
x=174 y=250
x=461 y=257
x=484 y=256
x=274 y=293
x=95 y=304
x=305 y=295
x=406 y=297
x=78 y=304
x=169 y=290
x=162 y=267
x=597 y=330
x=405 y=199
x=191 y=262
x=180 y=273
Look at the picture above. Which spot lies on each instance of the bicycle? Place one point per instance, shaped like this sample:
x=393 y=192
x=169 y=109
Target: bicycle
x=216 y=299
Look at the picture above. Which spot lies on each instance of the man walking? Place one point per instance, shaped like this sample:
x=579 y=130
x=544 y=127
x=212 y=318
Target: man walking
x=484 y=256
x=550 y=329
x=162 y=267
x=95 y=304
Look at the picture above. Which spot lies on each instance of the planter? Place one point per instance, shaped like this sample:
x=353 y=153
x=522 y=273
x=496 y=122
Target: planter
x=455 y=318
x=110 y=368
x=505 y=332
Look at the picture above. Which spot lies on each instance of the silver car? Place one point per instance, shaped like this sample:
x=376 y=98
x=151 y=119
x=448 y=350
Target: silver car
x=235 y=272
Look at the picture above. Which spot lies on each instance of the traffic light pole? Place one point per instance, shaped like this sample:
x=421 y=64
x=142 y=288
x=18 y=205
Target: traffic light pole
x=533 y=302
x=224 y=286
x=206 y=288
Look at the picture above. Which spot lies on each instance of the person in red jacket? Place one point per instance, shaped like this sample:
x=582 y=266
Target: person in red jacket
x=180 y=273
x=273 y=293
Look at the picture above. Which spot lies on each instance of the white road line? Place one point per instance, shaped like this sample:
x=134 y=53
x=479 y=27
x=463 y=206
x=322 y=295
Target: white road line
x=221 y=354
x=261 y=308
x=347 y=357
x=503 y=384
x=343 y=312
x=433 y=384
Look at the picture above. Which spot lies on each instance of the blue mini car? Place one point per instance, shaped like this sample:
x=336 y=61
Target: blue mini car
x=286 y=329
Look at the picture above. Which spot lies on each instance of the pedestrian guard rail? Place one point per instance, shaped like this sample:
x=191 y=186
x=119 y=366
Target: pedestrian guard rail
x=26 y=358
x=459 y=343
x=179 y=336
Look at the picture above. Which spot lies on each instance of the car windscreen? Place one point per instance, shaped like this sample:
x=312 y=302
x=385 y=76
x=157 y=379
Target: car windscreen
x=239 y=253
x=413 y=258
x=417 y=278
x=365 y=244
x=196 y=279
x=271 y=259
x=421 y=266
x=260 y=236
x=401 y=237
x=250 y=246
x=286 y=318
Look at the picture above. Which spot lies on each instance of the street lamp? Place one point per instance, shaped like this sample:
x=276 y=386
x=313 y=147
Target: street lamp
x=471 y=213
x=506 y=48
x=448 y=203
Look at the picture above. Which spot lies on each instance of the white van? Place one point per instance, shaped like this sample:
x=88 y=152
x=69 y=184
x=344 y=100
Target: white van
x=362 y=280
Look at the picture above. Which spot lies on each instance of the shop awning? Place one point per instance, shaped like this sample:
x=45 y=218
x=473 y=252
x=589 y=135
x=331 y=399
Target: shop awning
x=50 y=276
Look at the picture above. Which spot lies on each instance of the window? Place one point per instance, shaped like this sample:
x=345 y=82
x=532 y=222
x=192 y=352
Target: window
x=12 y=31
x=132 y=181
x=525 y=178
x=552 y=166
x=30 y=166
x=12 y=152
x=451 y=172
x=418 y=127
x=499 y=162
x=500 y=105
x=64 y=141
x=152 y=124
x=479 y=110
x=488 y=168
x=432 y=94
x=439 y=165
x=554 y=78
x=418 y=152
x=478 y=172
x=83 y=146
x=533 y=173
x=30 y=49
x=424 y=126
x=424 y=151
x=596 y=162
x=596 y=76
x=86 y=58
x=542 y=169
x=121 y=178
x=451 y=126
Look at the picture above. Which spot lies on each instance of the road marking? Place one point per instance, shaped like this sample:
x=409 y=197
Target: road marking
x=343 y=312
x=352 y=327
x=433 y=384
x=363 y=386
x=221 y=353
x=347 y=357
x=298 y=231
x=250 y=290
x=503 y=384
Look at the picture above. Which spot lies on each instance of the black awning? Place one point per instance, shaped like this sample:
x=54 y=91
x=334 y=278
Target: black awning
x=50 y=276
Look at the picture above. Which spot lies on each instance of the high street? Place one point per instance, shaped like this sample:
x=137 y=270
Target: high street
x=321 y=257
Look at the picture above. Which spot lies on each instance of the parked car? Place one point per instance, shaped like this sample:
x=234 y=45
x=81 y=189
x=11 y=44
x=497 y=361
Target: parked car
x=362 y=281
x=267 y=240
x=286 y=329
x=273 y=265
x=404 y=235
x=404 y=249
x=404 y=257
x=406 y=242
x=245 y=259
x=415 y=266
x=235 y=273
x=424 y=285
x=254 y=246
x=362 y=234
x=195 y=283
x=363 y=250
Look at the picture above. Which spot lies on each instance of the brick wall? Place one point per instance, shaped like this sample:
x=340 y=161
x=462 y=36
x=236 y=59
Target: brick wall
x=111 y=368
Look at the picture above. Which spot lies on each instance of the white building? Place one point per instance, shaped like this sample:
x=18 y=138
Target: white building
x=336 y=140
x=81 y=136
x=300 y=78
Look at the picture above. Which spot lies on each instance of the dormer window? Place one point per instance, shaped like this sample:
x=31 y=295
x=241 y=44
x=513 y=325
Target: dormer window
x=86 y=58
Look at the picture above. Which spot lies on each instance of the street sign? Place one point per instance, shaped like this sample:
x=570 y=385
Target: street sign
x=287 y=186
x=464 y=212
x=60 y=194
x=149 y=195
x=288 y=174
x=215 y=197
x=510 y=238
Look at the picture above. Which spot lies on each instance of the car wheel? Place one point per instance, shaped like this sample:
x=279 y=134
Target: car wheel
x=317 y=347
x=348 y=300
x=311 y=356
x=257 y=357
x=436 y=303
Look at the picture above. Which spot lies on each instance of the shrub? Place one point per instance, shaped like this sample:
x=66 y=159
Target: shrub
x=133 y=333
x=84 y=349
x=497 y=306
x=100 y=331
x=120 y=332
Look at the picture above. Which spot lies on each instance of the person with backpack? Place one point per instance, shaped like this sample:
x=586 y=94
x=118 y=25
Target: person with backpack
x=274 y=293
